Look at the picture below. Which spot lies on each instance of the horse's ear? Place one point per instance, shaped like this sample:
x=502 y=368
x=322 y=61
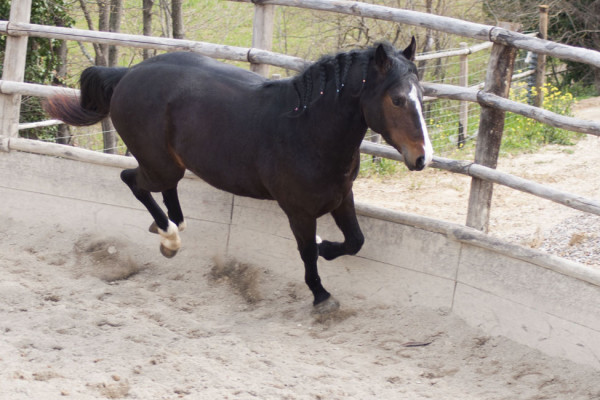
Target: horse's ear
x=382 y=58
x=411 y=50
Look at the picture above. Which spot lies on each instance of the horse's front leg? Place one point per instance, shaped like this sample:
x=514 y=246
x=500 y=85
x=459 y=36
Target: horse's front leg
x=345 y=219
x=304 y=229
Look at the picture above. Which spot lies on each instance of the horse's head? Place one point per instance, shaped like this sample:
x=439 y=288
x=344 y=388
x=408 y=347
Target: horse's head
x=392 y=104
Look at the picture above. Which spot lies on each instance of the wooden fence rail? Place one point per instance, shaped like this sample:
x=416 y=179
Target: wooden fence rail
x=233 y=53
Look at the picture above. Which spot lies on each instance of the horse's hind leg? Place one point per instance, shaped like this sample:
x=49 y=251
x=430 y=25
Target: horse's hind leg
x=170 y=241
x=171 y=200
x=345 y=219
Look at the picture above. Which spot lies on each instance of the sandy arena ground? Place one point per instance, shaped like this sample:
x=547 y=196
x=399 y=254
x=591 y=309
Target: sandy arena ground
x=84 y=315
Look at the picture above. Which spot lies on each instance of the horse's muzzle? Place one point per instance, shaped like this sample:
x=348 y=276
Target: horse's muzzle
x=420 y=163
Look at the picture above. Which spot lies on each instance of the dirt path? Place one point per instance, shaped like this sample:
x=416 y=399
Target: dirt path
x=516 y=216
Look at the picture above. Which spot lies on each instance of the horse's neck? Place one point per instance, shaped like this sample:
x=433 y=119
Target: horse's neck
x=333 y=121
x=338 y=131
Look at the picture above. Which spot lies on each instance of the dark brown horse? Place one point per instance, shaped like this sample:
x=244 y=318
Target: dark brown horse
x=295 y=140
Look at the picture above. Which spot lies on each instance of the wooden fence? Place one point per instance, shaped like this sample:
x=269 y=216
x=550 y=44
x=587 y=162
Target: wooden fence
x=492 y=98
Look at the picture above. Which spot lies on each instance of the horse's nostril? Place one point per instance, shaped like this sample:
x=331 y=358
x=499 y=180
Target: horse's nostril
x=420 y=164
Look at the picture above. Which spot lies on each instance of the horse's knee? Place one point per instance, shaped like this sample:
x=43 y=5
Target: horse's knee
x=354 y=245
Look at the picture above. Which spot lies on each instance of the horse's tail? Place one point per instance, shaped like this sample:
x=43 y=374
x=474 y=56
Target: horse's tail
x=93 y=105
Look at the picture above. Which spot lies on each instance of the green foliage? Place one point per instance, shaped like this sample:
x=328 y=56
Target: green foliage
x=521 y=133
x=42 y=59
x=375 y=166
x=42 y=56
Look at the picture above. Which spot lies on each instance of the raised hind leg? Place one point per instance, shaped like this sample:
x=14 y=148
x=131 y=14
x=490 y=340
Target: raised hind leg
x=304 y=229
x=168 y=230
x=345 y=218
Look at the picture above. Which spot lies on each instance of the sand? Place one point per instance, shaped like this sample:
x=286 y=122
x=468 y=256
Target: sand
x=81 y=318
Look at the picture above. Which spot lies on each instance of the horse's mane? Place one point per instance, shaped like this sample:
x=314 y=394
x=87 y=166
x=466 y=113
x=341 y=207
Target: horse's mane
x=331 y=68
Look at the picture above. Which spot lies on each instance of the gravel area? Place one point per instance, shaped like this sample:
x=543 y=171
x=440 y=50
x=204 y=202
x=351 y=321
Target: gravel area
x=576 y=238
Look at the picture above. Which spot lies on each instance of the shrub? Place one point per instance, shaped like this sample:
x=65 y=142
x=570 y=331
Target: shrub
x=522 y=133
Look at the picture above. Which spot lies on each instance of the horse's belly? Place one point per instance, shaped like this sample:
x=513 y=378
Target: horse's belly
x=235 y=182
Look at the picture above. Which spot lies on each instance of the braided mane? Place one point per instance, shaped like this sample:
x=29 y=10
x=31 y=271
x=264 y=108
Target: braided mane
x=330 y=68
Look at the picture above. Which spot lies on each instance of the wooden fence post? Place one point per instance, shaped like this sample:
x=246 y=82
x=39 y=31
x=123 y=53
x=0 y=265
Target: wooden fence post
x=463 y=112
x=14 y=69
x=540 y=70
x=262 y=33
x=491 y=126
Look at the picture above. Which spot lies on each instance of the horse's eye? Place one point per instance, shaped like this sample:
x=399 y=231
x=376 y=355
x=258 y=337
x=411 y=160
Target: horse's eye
x=398 y=101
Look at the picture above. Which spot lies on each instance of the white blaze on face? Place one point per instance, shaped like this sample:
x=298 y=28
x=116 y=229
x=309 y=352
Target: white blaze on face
x=427 y=147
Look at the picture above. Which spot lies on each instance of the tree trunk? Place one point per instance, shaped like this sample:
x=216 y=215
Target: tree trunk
x=108 y=130
x=428 y=44
x=116 y=12
x=147 y=25
x=90 y=23
x=109 y=19
x=103 y=25
x=177 y=16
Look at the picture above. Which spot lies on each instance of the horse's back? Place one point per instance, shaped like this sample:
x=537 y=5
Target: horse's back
x=187 y=110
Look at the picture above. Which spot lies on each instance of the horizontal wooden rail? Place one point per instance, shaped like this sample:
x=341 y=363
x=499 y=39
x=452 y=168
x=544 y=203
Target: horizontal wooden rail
x=40 y=124
x=456 y=52
x=492 y=175
x=232 y=53
x=34 y=89
x=446 y=24
x=488 y=99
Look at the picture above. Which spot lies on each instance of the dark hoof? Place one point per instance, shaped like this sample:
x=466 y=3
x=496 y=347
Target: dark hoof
x=327 y=306
x=153 y=228
x=167 y=252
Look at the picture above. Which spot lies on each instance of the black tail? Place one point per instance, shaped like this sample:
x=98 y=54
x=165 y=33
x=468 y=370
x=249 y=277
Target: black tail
x=93 y=105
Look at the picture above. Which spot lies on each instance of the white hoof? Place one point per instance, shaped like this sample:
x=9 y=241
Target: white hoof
x=170 y=239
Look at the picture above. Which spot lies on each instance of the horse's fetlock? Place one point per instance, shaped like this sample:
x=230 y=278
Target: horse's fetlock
x=170 y=238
